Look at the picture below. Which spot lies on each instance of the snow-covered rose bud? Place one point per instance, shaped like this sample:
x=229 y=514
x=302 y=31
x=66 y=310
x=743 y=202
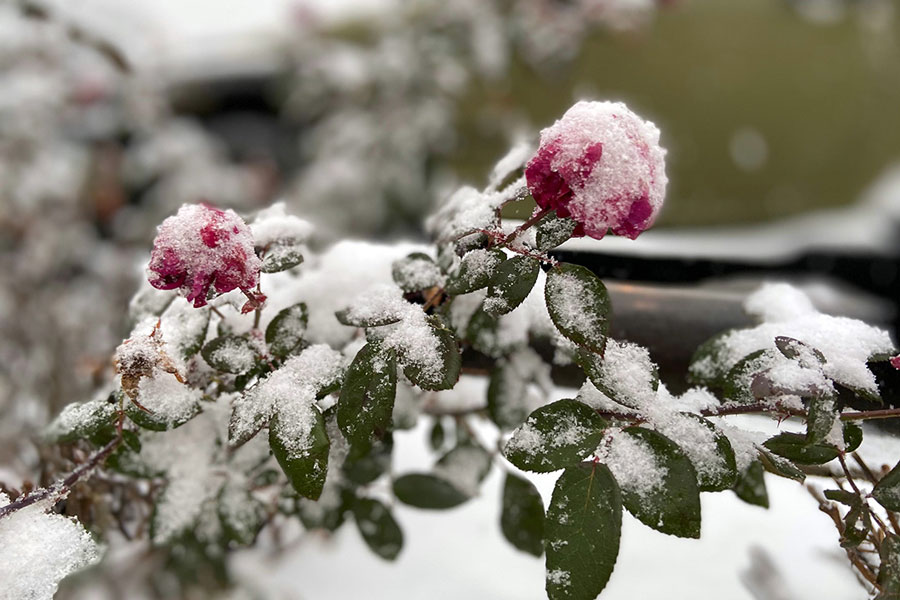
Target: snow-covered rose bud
x=203 y=248
x=601 y=165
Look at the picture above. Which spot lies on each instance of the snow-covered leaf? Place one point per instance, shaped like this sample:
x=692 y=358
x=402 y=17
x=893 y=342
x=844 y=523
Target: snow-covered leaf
x=286 y=330
x=230 y=354
x=378 y=528
x=751 y=486
x=367 y=397
x=416 y=272
x=555 y=436
x=889 y=572
x=579 y=305
x=304 y=461
x=657 y=480
x=510 y=284
x=582 y=531
x=522 y=515
x=625 y=373
x=475 y=271
x=81 y=420
x=281 y=257
x=822 y=419
x=433 y=377
x=780 y=466
x=553 y=231
x=241 y=514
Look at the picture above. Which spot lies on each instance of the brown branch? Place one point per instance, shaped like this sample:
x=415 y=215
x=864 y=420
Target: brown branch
x=62 y=487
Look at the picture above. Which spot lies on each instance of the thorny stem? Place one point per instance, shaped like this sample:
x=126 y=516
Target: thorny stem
x=534 y=218
x=62 y=487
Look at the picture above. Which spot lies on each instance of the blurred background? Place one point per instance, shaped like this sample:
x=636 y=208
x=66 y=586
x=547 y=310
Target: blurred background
x=780 y=117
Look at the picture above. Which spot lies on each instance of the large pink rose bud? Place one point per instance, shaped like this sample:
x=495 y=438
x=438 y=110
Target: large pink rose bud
x=203 y=248
x=601 y=165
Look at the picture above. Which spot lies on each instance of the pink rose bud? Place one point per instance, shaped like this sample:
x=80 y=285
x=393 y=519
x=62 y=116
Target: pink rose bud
x=601 y=165
x=895 y=362
x=203 y=248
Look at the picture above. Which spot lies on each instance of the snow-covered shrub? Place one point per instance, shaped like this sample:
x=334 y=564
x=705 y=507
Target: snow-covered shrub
x=233 y=422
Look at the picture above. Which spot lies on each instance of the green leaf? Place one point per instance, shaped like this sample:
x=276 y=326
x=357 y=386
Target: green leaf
x=780 y=466
x=155 y=422
x=481 y=333
x=794 y=447
x=555 y=436
x=367 y=397
x=305 y=462
x=281 y=257
x=853 y=436
x=823 y=414
x=736 y=386
x=436 y=437
x=475 y=271
x=887 y=490
x=625 y=373
x=579 y=305
x=416 y=272
x=751 y=486
x=465 y=466
x=427 y=491
x=708 y=367
x=507 y=396
x=672 y=507
x=444 y=377
x=582 y=531
x=889 y=572
x=724 y=477
x=230 y=354
x=552 y=231
x=328 y=512
x=81 y=420
x=352 y=318
x=189 y=326
x=369 y=467
x=378 y=528
x=522 y=515
x=510 y=285
x=286 y=330
x=844 y=497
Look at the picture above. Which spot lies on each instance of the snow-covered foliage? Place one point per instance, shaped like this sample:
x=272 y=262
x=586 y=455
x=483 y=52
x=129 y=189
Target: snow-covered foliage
x=225 y=424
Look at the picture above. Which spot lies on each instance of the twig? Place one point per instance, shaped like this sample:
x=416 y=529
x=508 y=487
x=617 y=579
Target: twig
x=62 y=487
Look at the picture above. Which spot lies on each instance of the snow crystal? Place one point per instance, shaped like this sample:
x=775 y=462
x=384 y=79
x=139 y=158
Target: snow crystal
x=415 y=342
x=565 y=431
x=234 y=352
x=602 y=164
x=273 y=225
x=559 y=577
x=632 y=462
x=696 y=440
x=39 y=550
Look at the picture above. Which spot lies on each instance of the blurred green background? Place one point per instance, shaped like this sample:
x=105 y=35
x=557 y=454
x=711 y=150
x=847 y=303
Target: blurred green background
x=811 y=109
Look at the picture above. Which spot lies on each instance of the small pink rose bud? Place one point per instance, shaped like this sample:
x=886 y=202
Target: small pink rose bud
x=201 y=249
x=601 y=165
x=895 y=362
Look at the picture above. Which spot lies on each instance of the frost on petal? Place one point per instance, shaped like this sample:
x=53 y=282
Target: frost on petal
x=39 y=550
x=203 y=251
x=602 y=165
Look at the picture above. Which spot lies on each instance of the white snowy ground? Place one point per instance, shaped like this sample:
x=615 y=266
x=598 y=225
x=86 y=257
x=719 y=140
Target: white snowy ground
x=461 y=553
